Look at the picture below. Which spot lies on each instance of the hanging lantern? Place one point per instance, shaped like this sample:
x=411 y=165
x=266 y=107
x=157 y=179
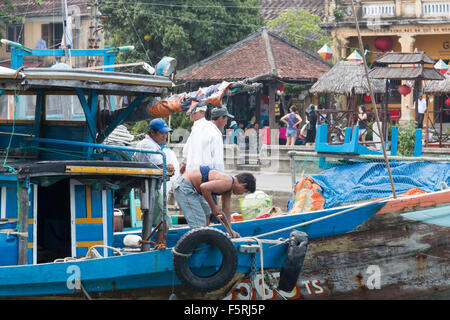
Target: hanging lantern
x=355 y=56
x=404 y=90
x=383 y=43
x=367 y=98
x=325 y=52
x=447 y=102
x=441 y=66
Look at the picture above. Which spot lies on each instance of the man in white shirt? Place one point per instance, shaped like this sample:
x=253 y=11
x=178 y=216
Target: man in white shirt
x=192 y=148
x=219 y=119
x=155 y=138
x=204 y=146
x=421 y=109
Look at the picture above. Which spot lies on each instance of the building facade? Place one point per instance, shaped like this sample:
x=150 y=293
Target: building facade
x=42 y=28
x=398 y=25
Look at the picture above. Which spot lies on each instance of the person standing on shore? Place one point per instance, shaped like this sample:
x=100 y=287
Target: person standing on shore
x=292 y=121
x=362 y=123
x=311 y=126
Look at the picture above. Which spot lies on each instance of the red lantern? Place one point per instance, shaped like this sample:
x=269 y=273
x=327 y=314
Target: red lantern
x=367 y=98
x=404 y=90
x=447 y=102
x=383 y=43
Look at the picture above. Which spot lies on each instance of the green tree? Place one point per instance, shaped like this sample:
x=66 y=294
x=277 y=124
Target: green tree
x=406 y=138
x=188 y=30
x=301 y=28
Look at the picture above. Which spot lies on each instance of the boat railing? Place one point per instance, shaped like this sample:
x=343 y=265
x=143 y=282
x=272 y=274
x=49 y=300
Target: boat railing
x=117 y=148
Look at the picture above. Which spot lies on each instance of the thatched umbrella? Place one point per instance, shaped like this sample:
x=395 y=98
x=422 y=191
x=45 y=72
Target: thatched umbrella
x=346 y=77
x=436 y=87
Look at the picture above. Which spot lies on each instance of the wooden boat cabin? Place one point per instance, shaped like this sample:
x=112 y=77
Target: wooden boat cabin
x=57 y=182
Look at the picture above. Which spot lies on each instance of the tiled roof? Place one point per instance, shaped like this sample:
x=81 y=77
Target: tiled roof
x=251 y=58
x=270 y=9
x=46 y=8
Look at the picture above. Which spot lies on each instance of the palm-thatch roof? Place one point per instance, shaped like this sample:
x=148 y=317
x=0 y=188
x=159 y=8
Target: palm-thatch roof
x=405 y=58
x=347 y=77
x=405 y=73
x=436 y=87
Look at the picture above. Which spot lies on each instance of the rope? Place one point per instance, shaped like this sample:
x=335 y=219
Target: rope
x=91 y=254
x=261 y=256
x=86 y=294
x=11 y=169
x=92 y=249
x=319 y=219
x=186 y=255
x=261 y=259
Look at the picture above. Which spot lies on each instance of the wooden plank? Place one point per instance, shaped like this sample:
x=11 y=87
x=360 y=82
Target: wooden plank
x=113 y=170
x=23 y=225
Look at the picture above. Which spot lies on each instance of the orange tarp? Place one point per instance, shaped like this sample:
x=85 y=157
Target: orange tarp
x=307 y=196
x=186 y=101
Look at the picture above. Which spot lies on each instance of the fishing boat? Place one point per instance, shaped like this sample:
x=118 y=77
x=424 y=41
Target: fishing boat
x=357 y=251
x=58 y=187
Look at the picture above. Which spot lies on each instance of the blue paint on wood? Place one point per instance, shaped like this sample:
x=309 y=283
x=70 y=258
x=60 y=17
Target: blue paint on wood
x=418 y=143
x=394 y=141
x=439 y=216
x=147 y=269
x=351 y=142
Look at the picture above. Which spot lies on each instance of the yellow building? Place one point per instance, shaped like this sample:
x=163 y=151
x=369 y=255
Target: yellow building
x=42 y=27
x=405 y=25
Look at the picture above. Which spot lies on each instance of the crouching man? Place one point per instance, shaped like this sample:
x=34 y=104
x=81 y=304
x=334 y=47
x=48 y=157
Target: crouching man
x=197 y=189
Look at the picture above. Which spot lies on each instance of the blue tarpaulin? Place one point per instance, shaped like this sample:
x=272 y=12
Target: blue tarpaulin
x=351 y=183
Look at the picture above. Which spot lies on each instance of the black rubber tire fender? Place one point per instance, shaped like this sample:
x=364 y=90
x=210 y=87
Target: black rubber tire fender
x=190 y=241
x=296 y=251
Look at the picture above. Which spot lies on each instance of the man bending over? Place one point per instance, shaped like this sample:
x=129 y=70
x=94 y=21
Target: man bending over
x=196 y=191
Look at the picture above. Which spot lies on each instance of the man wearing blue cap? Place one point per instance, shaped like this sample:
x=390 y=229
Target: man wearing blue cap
x=155 y=138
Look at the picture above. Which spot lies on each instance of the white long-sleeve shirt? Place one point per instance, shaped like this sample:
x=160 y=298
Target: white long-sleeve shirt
x=422 y=106
x=148 y=144
x=204 y=146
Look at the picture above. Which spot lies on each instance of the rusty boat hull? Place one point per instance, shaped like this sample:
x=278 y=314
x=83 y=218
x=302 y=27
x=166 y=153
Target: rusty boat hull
x=393 y=255
x=388 y=257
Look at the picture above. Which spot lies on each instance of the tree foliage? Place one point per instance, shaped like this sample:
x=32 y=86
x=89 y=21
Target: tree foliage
x=301 y=28
x=406 y=138
x=188 y=30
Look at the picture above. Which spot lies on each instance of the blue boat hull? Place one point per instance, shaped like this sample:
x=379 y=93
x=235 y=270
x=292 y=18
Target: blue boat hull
x=350 y=218
x=117 y=275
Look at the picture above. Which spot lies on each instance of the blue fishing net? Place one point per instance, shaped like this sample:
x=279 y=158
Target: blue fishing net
x=363 y=181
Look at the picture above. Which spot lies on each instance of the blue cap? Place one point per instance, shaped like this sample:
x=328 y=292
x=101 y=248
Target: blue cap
x=159 y=125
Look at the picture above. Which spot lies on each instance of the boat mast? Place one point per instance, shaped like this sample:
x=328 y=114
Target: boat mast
x=374 y=106
x=65 y=16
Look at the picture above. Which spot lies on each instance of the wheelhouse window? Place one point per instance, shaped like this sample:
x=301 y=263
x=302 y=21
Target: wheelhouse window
x=15 y=32
x=20 y=107
x=63 y=108
x=52 y=33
